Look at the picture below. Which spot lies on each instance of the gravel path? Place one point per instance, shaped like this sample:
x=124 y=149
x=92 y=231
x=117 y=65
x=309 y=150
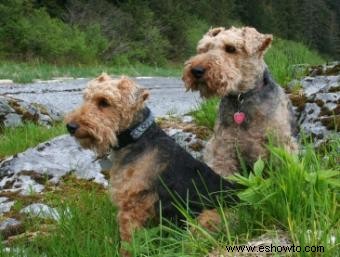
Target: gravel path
x=167 y=94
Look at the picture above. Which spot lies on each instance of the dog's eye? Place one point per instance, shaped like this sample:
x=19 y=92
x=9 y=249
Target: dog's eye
x=103 y=103
x=230 y=49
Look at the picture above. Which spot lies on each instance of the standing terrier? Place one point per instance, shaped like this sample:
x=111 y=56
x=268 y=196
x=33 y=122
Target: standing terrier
x=229 y=64
x=149 y=168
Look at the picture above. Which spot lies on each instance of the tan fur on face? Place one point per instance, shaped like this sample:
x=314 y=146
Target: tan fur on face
x=227 y=72
x=99 y=124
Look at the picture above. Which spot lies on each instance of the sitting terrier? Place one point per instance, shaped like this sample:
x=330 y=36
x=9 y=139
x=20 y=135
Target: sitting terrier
x=229 y=64
x=149 y=168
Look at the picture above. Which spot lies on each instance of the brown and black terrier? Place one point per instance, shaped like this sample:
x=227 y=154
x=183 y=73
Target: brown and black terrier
x=150 y=172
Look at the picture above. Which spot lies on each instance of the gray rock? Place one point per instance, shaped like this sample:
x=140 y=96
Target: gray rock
x=15 y=111
x=10 y=227
x=12 y=120
x=188 y=141
x=5 y=107
x=187 y=119
x=27 y=186
x=3 y=199
x=53 y=159
x=5 y=206
x=41 y=211
x=23 y=184
x=329 y=100
x=319 y=115
x=8 y=222
x=313 y=85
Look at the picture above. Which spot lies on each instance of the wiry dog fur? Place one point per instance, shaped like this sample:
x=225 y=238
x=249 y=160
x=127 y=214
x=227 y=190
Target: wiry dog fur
x=149 y=172
x=229 y=64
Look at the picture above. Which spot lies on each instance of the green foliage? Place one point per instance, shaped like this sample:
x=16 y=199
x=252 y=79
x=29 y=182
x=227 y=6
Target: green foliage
x=284 y=54
x=295 y=193
x=36 y=35
x=205 y=113
x=152 y=32
x=89 y=228
x=16 y=140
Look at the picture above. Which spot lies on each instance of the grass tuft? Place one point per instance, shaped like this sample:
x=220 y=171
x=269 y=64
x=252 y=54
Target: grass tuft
x=206 y=112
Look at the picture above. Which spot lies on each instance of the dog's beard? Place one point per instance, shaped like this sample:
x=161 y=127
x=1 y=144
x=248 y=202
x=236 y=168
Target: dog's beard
x=101 y=145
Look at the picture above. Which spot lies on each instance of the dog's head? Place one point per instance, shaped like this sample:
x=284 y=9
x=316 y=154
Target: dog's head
x=227 y=61
x=108 y=108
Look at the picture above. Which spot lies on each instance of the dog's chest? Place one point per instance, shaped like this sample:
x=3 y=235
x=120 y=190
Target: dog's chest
x=246 y=113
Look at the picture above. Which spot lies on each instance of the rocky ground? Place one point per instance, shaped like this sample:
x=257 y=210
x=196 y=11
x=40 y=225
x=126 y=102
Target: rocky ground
x=316 y=99
x=27 y=176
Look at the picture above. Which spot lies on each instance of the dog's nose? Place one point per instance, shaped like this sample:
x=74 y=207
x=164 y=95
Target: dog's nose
x=198 y=72
x=72 y=127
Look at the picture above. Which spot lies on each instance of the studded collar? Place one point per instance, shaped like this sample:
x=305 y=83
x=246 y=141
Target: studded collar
x=134 y=133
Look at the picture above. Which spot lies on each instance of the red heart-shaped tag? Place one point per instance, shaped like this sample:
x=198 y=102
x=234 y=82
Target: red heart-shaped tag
x=239 y=117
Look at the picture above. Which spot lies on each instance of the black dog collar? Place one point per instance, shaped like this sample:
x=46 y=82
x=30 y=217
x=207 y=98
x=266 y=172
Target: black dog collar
x=132 y=134
x=259 y=85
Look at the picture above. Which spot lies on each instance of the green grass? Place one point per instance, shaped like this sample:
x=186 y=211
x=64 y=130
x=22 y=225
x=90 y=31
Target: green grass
x=205 y=113
x=296 y=194
x=15 y=140
x=26 y=72
x=284 y=54
x=280 y=58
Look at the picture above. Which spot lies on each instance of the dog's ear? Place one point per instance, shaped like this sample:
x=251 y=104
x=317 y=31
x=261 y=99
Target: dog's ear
x=125 y=83
x=103 y=77
x=255 y=42
x=266 y=42
x=213 y=32
x=142 y=94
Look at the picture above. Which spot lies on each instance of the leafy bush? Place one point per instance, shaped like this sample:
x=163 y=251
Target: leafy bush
x=126 y=32
x=29 y=33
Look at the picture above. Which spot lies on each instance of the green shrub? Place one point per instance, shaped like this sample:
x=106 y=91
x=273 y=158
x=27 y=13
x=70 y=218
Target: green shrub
x=146 y=43
x=36 y=35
